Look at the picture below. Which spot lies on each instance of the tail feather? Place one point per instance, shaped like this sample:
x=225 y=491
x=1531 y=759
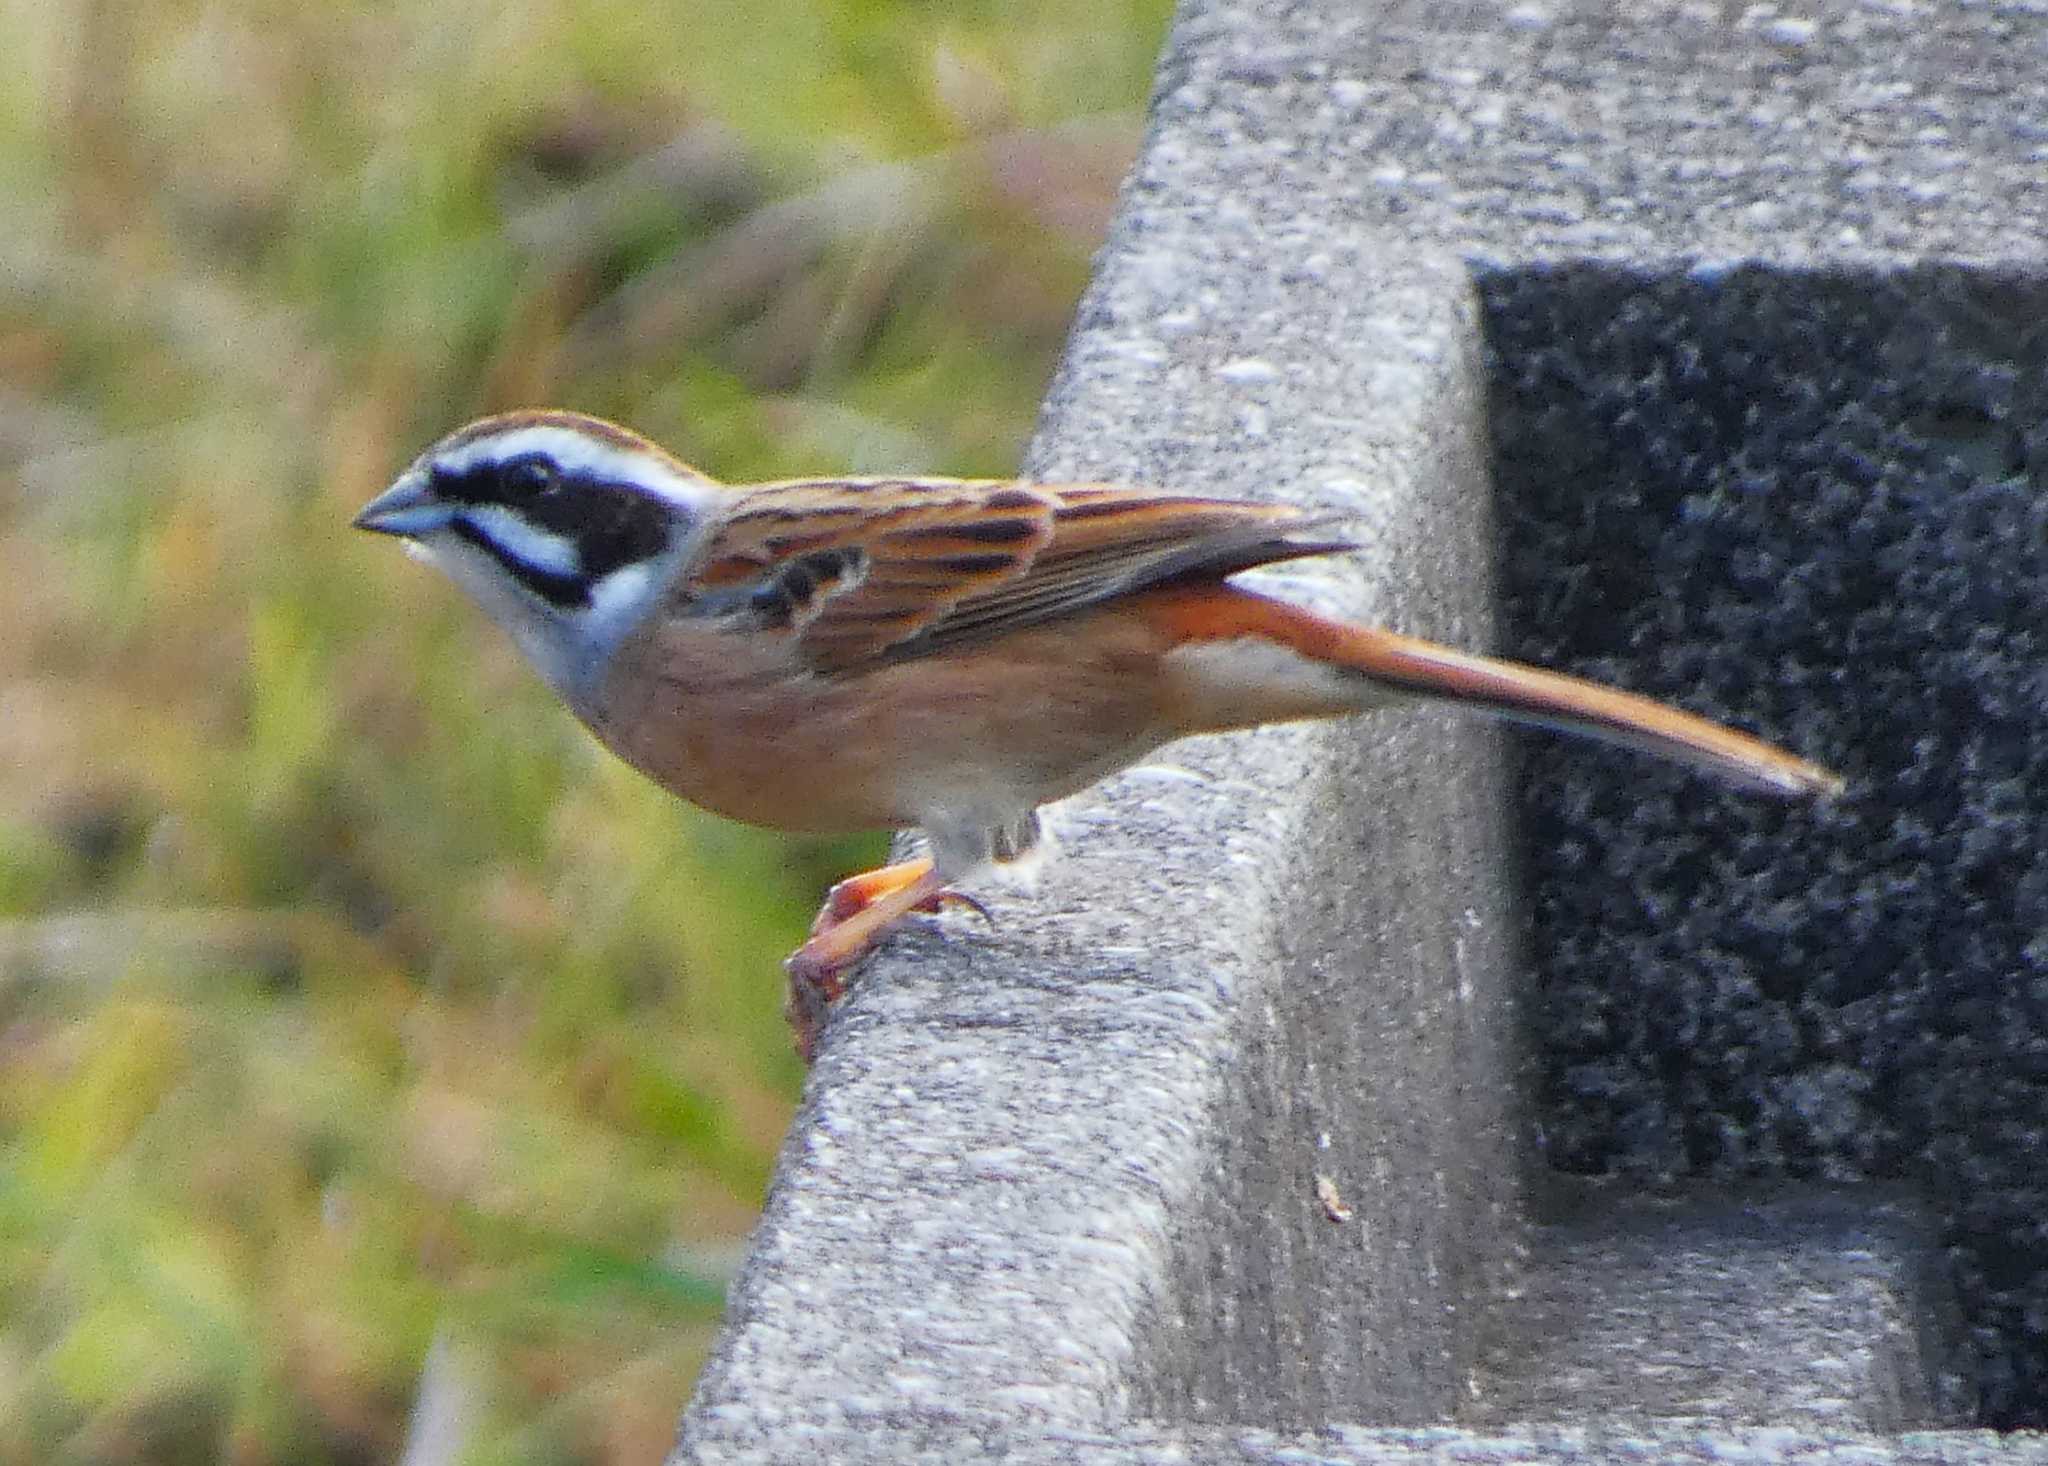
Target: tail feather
x=1404 y=665
x=1552 y=700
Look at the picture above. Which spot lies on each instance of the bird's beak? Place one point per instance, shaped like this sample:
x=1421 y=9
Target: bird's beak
x=407 y=508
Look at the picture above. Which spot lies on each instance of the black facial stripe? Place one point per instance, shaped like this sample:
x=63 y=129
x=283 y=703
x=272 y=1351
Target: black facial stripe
x=556 y=589
x=610 y=525
x=613 y=527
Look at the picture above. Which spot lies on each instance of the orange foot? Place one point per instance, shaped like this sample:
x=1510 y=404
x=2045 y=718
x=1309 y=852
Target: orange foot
x=855 y=914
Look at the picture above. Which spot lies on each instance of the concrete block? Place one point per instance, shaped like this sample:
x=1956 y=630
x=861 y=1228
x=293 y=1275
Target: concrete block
x=1220 y=1147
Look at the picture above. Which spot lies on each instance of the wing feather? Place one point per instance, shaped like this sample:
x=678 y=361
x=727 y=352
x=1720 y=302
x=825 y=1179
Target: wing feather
x=865 y=570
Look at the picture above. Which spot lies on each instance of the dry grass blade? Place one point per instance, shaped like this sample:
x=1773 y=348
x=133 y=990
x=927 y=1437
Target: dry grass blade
x=719 y=280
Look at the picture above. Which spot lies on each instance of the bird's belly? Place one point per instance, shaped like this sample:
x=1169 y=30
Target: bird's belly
x=990 y=730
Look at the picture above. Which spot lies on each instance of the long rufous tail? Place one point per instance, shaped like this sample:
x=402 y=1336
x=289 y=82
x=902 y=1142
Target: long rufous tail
x=1406 y=666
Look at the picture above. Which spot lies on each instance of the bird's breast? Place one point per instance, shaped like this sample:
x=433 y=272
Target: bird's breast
x=733 y=722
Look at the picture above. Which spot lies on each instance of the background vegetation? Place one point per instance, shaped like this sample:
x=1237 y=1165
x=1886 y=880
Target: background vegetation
x=380 y=1064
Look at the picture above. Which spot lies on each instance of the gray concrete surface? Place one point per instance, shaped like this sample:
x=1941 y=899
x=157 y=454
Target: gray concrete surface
x=1074 y=1159
x=1784 y=1307
x=1063 y=1190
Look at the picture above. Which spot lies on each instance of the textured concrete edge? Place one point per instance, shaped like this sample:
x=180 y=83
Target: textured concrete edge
x=1793 y=1305
x=1008 y=1140
x=967 y=1091
x=1378 y=1059
x=926 y=1442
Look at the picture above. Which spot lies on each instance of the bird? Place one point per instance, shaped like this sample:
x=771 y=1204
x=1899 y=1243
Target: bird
x=838 y=654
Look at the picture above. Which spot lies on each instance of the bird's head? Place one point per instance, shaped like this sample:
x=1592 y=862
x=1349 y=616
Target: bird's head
x=564 y=528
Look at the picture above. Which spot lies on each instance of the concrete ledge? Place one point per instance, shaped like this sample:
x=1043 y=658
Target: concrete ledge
x=1068 y=1170
x=768 y=1433
x=1224 y=1136
x=1795 y=1308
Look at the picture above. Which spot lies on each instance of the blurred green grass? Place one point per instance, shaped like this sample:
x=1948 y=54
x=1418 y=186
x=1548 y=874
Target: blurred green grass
x=373 y=1049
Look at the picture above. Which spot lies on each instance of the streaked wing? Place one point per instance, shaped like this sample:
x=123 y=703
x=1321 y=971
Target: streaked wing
x=882 y=569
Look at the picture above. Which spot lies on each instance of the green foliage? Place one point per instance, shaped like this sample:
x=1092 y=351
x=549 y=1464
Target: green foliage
x=369 y=1034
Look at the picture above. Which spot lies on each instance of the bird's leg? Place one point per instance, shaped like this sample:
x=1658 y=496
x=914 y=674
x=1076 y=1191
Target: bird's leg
x=857 y=893
x=855 y=914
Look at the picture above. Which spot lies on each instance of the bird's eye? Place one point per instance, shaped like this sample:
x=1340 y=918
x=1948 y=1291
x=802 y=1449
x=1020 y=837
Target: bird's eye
x=524 y=478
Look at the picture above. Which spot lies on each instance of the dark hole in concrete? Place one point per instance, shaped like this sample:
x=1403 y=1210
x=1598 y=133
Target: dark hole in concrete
x=1810 y=503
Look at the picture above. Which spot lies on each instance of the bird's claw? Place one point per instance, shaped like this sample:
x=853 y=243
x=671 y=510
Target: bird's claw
x=815 y=984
